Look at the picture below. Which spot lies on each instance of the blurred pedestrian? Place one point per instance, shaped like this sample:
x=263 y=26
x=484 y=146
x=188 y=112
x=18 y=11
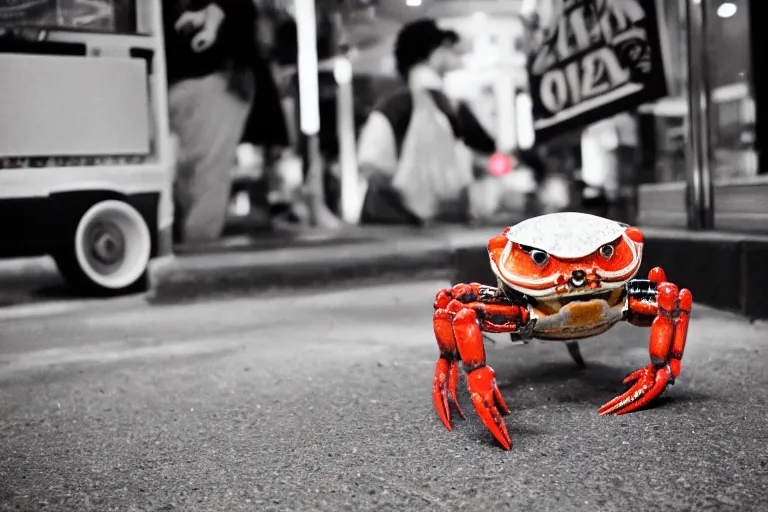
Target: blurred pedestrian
x=209 y=51
x=266 y=130
x=413 y=163
x=308 y=203
x=609 y=154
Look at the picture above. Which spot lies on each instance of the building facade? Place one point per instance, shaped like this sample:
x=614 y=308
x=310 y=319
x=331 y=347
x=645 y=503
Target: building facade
x=703 y=163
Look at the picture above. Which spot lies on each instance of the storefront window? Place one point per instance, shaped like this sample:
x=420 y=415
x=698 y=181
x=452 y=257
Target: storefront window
x=662 y=125
x=731 y=85
x=111 y=16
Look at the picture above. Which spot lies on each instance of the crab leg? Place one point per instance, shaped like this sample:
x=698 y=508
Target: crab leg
x=447 y=370
x=670 y=311
x=575 y=353
x=461 y=314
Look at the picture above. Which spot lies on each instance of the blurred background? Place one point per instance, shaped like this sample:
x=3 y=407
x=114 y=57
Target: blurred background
x=108 y=100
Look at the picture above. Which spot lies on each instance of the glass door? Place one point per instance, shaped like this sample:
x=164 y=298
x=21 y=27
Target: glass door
x=740 y=191
x=662 y=129
x=730 y=78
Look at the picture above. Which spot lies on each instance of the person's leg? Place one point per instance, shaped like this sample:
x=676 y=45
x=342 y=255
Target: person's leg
x=312 y=201
x=208 y=116
x=181 y=101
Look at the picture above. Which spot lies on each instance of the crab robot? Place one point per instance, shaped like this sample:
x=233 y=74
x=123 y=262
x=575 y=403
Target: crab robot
x=562 y=276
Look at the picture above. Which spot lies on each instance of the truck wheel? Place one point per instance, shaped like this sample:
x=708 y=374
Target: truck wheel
x=109 y=250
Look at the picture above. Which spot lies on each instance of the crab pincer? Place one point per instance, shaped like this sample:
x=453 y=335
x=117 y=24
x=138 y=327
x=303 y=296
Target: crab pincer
x=669 y=331
x=446 y=377
x=649 y=383
x=489 y=403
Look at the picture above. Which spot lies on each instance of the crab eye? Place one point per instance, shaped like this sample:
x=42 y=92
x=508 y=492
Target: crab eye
x=607 y=251
x=539 y=257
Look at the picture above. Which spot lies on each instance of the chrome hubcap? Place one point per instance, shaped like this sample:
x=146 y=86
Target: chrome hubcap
x=107 y=244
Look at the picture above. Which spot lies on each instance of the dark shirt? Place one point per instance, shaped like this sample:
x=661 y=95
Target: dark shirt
x=234 y=46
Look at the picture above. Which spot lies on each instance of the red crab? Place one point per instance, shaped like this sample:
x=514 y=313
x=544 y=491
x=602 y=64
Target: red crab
x=562 y=276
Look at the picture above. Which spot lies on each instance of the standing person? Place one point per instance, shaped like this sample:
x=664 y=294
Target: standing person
x=266 y=125
x=413 y=163
x=209 y=50
x=266 y=128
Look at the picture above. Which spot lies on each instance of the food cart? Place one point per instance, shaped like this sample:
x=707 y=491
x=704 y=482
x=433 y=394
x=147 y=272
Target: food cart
x=85 y=150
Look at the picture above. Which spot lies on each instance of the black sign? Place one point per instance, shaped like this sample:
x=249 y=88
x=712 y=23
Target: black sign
x=591 y=60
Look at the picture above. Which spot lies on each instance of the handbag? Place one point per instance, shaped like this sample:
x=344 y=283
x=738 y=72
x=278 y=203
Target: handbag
x=435 y=169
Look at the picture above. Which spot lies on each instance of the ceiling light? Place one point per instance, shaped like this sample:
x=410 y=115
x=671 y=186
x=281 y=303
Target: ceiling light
x=726 y=9
x=413 y=3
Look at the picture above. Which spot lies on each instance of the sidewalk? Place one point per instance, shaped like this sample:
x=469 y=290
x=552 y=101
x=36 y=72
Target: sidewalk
x=726 y=271
x=270 y=262
x=244 y=265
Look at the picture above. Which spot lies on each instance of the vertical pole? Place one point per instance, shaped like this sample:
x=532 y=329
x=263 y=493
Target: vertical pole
x=758 y=9
x=150 y=16
x=504 y=89
x=345 y=125
x=506 y=139
x=309 y=100
x=700 y=192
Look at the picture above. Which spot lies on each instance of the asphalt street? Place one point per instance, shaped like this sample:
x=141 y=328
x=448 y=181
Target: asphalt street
x=322 y=402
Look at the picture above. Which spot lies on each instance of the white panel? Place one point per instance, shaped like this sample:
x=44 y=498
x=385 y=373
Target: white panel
x=59 y=106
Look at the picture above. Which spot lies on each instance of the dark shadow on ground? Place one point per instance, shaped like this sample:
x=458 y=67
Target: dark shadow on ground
x=566 y=383
x=549 y=387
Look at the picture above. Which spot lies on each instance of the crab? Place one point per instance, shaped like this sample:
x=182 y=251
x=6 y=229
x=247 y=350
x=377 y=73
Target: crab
x=562 y=276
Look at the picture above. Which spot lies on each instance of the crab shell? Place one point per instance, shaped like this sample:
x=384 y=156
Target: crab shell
x=573 y=242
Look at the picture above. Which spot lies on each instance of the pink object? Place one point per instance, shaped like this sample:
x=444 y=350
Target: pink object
x=499 y=165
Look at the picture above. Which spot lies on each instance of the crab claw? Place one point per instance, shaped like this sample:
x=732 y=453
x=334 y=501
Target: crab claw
x=649 y=383
x=446 y=375
x=488 y=403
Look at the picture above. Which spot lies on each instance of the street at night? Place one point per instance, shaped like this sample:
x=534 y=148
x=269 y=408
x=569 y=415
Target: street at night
x=244 y=244
x=322 y=401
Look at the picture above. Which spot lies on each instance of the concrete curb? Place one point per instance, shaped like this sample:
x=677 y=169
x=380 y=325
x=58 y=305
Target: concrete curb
x=726 y=271
x=244 y=266
x=196 y=277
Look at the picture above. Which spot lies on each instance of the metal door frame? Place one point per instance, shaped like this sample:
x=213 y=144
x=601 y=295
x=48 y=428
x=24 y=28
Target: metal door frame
x=700 y=191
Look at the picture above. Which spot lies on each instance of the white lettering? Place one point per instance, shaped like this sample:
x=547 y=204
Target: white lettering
x=579 y=28
x=564 y=50
x=573 y=74
x=609 y=28
x=554 y=90
x=619 y=15
x=601 y=72
x=544 y=59
x=597 y=73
